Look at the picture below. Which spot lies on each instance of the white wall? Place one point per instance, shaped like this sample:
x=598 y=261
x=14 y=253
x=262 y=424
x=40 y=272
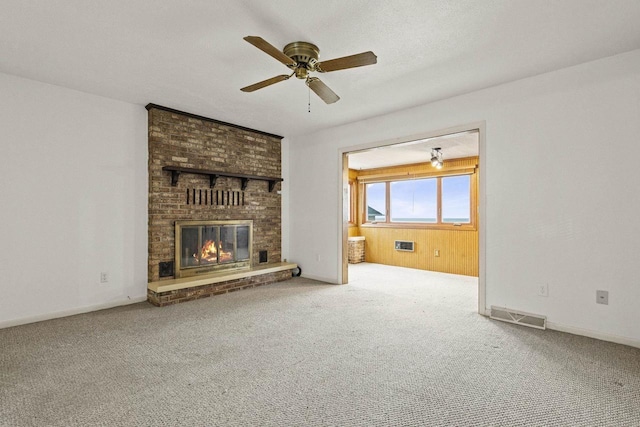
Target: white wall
x=74 y=201
x=556 y=212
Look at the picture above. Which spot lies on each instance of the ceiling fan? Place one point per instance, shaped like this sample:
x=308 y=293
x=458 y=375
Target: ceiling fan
x=302 y=58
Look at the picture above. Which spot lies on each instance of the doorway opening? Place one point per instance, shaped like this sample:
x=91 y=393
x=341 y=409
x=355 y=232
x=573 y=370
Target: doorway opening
x=416 y=203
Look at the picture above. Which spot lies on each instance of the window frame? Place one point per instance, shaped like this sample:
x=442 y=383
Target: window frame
x=439 y=225
x=353 y=220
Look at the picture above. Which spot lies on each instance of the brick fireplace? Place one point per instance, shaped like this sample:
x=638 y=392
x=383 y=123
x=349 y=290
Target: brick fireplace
x=205 y=171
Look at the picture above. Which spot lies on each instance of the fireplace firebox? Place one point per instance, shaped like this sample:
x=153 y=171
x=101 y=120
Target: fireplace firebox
x=208 y=246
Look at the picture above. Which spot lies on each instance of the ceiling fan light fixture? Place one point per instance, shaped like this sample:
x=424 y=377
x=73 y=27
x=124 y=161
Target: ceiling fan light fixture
x=301 y=72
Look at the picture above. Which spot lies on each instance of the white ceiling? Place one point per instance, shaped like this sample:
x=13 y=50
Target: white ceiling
x=189 y=55
x=454 y=146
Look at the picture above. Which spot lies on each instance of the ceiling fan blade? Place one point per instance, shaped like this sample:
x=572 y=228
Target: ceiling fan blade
x=322 y=90
x=358 y=60
x=266 y=83
x=269 y=49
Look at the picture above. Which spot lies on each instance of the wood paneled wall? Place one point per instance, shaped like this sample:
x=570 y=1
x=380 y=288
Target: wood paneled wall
x=458 y=249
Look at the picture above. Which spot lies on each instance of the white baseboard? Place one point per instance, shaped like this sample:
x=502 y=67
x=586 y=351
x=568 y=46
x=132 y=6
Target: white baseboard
x=71 y=312
x=586 y=333
x=319 y=279
x=593 y=334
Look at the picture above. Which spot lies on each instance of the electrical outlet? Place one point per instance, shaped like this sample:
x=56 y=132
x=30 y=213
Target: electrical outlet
x=436 y=252
x=602 y=297
x=543 y=290
x=104 y=277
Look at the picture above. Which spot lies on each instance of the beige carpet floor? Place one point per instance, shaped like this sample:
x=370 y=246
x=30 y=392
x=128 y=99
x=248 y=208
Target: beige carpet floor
x=396 y=347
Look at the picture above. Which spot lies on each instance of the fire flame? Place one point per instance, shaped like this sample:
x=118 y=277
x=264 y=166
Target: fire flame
x=211 y=253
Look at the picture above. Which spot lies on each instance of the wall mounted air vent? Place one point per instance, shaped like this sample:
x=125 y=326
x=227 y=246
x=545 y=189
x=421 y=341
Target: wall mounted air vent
x=403 y=245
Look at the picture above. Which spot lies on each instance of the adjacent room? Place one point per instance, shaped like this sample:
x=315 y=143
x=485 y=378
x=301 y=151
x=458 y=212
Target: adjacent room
x=357 y=213
x=406 y=204
x=408 y=207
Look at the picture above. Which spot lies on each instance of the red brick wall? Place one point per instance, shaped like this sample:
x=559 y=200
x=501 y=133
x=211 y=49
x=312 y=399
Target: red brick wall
x=181 y=140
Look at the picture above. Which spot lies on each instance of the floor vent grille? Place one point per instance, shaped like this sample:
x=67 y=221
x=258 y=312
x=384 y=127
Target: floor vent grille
x=518 y=317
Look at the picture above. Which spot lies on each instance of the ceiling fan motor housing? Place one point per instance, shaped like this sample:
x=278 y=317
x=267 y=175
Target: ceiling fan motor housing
x=306 y=56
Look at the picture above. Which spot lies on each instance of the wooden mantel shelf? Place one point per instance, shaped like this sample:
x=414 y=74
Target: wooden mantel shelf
x=213 y=176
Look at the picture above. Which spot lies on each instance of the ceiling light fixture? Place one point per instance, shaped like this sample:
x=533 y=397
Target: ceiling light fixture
x=436 y=158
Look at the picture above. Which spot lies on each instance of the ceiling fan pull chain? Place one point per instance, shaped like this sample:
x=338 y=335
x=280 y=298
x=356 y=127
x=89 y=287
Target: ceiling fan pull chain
x=309 y=94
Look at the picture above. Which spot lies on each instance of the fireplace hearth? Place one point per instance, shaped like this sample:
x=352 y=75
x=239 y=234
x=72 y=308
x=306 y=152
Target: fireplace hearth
x=208 y=246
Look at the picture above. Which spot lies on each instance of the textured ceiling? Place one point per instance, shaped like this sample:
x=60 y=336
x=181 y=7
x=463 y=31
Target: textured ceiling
x=189 y=55
x=454 y=146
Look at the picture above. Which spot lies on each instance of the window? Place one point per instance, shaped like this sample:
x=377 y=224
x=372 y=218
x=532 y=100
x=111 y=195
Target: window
x=456 y=200
x=414 y=201
x=376 y=195
x=443 y=201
